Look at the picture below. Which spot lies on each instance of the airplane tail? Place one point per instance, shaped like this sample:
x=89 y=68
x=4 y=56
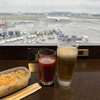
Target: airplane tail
x=46 y=15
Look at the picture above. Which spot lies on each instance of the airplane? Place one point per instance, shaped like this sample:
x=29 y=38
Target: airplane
x=57 y=18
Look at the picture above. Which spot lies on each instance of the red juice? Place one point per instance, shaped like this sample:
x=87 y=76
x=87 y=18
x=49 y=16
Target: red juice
x=46 y=69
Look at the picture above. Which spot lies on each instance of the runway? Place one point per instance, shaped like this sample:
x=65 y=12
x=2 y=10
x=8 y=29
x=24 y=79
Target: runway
x=78 y=27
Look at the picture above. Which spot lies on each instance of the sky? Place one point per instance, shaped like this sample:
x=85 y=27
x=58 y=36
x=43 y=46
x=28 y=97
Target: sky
x=78 y=6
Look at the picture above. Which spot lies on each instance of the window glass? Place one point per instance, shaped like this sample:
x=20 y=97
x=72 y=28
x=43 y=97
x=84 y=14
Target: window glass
x=49 y=21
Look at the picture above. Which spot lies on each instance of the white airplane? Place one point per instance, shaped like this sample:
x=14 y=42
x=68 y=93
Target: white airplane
x=57 y=18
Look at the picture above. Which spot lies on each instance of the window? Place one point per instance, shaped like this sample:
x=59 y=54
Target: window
x=34 y=21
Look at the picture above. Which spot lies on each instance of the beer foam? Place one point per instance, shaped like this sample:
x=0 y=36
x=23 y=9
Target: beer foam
x=67 y=52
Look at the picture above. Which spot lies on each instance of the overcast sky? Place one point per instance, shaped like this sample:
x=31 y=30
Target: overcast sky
x=88 y=6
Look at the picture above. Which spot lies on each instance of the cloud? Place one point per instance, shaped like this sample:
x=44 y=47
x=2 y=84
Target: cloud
x=90 y=6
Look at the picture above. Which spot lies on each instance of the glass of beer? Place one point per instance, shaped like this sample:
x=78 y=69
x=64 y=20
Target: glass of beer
x=66 y=60
x=47 y=66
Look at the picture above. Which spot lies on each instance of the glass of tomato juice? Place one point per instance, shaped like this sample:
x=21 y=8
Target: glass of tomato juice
x=47 y=63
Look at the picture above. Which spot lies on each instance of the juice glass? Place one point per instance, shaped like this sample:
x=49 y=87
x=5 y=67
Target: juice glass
x=47 y=66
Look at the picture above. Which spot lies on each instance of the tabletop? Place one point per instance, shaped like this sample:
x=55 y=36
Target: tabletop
x=85 y=84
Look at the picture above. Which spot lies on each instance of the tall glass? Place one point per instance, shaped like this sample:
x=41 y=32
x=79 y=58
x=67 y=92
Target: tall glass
x=66 y=60
x=47 y=66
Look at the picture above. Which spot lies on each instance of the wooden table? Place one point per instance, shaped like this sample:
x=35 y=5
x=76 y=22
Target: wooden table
x=85 y=84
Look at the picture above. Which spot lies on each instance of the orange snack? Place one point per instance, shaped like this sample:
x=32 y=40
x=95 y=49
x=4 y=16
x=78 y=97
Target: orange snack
x=12 y=77
x=6 y=81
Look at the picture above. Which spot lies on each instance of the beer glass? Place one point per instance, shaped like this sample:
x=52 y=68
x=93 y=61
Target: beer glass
x=47 y=66
x=66 y=60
